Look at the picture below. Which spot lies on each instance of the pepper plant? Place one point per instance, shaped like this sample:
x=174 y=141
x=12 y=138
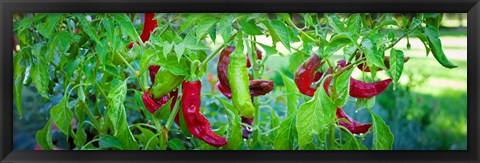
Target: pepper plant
x=134 y=81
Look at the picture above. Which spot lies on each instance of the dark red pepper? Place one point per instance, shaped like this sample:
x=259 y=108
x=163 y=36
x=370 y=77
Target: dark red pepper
x=153 y=105
x=360 y=89
x=197 y=124
x=352 y=125
x=149 y=25
x=225 y=91
x=153 y=71
x=257 y=88
x=307 y=74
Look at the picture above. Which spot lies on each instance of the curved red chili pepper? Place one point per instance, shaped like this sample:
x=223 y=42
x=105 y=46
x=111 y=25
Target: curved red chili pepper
x=259 y=57
x=352 y=125
x=225 y=91
x=197 y=124
x=149 y=25
x=360 y=89
x=222 y=66
x=153 y=105
x=307 y=74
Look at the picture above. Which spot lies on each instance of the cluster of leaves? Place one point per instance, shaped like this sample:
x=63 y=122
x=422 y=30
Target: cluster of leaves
x=103 y=80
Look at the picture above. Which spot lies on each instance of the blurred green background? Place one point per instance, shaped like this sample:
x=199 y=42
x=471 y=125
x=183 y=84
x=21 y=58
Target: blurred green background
x=427 y=111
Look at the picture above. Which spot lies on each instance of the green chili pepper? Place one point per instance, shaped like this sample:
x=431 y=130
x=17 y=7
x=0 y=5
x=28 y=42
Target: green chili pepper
x=239 y=84
x=165 y=82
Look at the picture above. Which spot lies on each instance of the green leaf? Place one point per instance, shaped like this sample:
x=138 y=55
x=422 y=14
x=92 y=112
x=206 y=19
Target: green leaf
x=204 y=26
x=374 y=57
x=62 y=116
x=179 y=49
x=87 y=28
x=115 y=111
x=287 y=134
x=336 y=43
x=295 y=60
x=396 y=64
x=250 y=27
x=335 y=22
x=40 y=77
x=213 y=34
x=225 y=27
x=366 y=103
x=268 y=49
x=47 y=28
x=172 y=64
x=341 y=86
x=436 y=46
x=423 y=38
x=234 y=135
x=170 y=35
x=351 y=143
x=109 y=142
x=273 y=33
x=44 y=136
x=314 y=117
x=176 y=144
x=19 y=75
x=60 y=42
x=127 y=26
x=167 y=48
x=164 y=111
x=382 y=137
x=124 y=134
x=80 y=137
x=354 y=25
x=282 y=32
x=191 y=42
x=292 y=97
x=147 y=138
x=189 y=21
x=149 y=55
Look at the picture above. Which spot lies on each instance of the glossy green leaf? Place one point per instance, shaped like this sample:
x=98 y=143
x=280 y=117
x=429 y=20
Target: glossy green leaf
x=176 y=144
x=127 y=26
x=149 y=55
x=336 y=43
x=341 y=86
x=382 y=137
x=60 y=41
x=396 y=64
x=80 y=137
x=354 y=25
x=335 y=22
x=282 y=32
x=268 y=49
x=87 y=28
x=62 y=116
x=110 y=142
x=292 y=97
x=365 y=103
x=287 y=134
x=167 y=48
x=147 y=138
x=164 y=111
x=234 y=135
x=314 y=117
x=47 y=28
x=225 y=27
x=436 y=46
x=204 y=26
x=374 y=57
x=351 y=143
x=18 y=75
x=40 y=77
x=250 y=27
x=272 y=32
x=44 y=136
x=190 y=20
x=116 y=98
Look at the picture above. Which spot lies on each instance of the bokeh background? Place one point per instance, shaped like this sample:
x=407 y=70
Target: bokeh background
x=427 y=111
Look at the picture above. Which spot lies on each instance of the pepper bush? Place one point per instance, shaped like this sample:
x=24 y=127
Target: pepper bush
x=101 y=64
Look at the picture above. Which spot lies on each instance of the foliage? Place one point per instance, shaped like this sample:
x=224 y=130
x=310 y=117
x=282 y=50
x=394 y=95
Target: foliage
x=86 y=58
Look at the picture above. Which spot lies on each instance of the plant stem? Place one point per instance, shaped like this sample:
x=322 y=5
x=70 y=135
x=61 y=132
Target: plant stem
x=331 y=138
x=215 y=52
x=173 y=114
x=401 y=37
x=289 y=22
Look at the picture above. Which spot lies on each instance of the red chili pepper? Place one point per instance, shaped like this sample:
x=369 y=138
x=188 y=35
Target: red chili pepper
x=352 y=125
x=225 y=91
x=307 y=73
x=149 y=25
x=360 y=89
x=259 y=57
x=197 y=124
x=153 y=105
